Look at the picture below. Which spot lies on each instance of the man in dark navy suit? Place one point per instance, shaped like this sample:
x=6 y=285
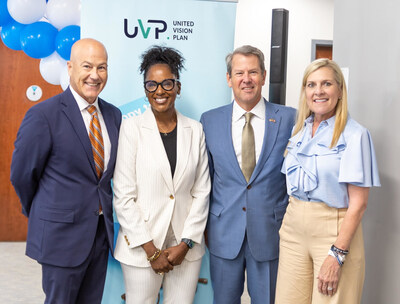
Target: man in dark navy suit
x=63 y=181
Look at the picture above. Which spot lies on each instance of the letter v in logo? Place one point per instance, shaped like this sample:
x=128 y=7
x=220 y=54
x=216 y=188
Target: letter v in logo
x=145 y=33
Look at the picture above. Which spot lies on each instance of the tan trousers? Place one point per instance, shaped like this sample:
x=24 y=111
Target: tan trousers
x=307 y=233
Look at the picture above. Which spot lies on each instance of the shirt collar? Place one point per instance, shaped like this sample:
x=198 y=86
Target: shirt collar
x=82 y=103
x=330 y=121
x=258 y=110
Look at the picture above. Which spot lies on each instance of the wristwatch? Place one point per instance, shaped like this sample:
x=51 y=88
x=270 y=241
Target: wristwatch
x=188 y=242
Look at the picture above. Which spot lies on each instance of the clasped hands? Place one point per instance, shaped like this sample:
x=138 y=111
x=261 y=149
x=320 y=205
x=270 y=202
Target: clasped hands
x=170 y=257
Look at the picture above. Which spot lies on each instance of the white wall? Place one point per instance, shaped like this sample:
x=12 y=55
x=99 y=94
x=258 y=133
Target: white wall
x=367 y=40
x=308 y=19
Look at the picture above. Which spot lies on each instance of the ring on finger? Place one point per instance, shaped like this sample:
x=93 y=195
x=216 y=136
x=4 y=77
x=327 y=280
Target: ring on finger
x=330 y=288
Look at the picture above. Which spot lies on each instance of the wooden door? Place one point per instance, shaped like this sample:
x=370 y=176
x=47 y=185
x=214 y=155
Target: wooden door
x=323 y=51
x=18 y=71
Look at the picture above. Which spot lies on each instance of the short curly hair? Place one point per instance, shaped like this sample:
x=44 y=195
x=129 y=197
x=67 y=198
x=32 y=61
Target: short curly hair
x=162 y=55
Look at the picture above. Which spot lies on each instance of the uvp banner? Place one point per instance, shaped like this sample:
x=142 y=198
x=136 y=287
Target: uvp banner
x=202 y=30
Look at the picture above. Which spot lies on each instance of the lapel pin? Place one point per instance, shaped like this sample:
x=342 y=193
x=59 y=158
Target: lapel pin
x=272 y=120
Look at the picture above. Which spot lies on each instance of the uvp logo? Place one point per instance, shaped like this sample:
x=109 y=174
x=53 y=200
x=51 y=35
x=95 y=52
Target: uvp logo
x=145 y=31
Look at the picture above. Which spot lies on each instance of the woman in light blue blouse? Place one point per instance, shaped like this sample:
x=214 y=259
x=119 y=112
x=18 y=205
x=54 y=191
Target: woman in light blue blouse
x=330 y=166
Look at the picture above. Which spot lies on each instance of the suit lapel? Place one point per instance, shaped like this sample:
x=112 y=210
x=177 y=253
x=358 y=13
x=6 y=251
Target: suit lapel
x=153 y=139
x=272 y=122
x=226 y=141
x=71 y=110
x=183 y=147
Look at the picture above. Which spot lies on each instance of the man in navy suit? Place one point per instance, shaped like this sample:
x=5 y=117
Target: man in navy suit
x=67 y=201
x=247 y=202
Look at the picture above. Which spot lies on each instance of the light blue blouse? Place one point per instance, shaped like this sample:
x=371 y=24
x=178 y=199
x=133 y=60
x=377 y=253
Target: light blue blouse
x=315 y=172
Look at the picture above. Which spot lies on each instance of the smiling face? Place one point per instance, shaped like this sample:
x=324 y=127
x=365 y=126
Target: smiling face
x=87 y=68
x=246 y=80
x=322 y=93
x=162 y=101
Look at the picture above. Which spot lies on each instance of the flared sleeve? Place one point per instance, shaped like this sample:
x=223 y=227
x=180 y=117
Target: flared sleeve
x=358 y=165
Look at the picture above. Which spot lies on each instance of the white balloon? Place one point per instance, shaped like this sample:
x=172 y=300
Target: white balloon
x=44 y=19
x=26 y=11
x=62 y=13
x=64 y=78
x=51 y=67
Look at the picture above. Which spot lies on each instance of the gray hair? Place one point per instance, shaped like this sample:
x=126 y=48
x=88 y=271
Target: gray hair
x=246 y=50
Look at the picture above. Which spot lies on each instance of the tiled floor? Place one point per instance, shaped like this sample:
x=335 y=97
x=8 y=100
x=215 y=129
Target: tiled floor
x=20 y=276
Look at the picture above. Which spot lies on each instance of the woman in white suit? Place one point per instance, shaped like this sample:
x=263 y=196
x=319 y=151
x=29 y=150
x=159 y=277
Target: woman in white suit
x=161 y=188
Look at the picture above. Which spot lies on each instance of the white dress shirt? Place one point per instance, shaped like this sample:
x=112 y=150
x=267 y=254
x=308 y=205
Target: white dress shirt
x=83 y=104
x=257 y=122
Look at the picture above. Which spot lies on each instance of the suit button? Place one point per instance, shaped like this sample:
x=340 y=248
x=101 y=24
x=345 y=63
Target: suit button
x=97 y=213
x=244 y=209
x=126 y=239
x=171 y=196
x=248 y=187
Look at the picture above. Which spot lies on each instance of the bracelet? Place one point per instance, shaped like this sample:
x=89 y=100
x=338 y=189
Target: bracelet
x=336 y=256
x=338 y=250
x=155 y=255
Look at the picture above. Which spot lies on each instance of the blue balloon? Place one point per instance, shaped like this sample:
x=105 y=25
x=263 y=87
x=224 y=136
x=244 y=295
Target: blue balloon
x=4 y=14
x=65 y=38
x=10 y=34
x=38 y=39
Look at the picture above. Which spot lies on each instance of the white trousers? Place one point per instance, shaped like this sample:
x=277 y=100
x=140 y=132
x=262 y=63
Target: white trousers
x=142 y=284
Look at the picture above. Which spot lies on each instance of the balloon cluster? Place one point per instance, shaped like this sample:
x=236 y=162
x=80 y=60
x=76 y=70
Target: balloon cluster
x=43 y=29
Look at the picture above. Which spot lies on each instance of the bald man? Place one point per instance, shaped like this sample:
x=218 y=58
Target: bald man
x=62 y=178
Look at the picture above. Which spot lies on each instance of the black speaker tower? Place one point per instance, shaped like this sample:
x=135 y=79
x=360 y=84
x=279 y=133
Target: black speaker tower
x=278 y=63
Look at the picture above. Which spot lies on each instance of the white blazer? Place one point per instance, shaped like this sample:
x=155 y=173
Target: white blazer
x=146 y=197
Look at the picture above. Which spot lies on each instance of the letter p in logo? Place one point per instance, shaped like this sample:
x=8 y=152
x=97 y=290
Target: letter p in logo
x=159 y=29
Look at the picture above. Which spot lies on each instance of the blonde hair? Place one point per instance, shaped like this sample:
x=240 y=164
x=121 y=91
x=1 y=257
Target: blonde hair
x=341 y=107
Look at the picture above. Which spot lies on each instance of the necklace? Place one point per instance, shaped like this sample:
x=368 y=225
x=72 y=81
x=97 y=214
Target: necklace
x=169 y=126
x=166 y=132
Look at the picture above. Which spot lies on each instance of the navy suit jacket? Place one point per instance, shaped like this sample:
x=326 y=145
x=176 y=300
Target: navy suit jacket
x=238 y=208
x=53 y=173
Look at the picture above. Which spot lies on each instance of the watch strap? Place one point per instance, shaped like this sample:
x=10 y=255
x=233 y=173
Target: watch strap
x=188 y=242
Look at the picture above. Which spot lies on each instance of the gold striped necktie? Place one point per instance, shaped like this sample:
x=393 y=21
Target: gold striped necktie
x=96 y=139
x=248 y=148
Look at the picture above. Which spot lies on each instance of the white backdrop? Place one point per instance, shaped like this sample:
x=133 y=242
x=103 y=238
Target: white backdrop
x=367 y=41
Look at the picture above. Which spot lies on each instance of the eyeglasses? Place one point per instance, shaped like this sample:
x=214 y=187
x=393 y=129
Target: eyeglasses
x=167 y=84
